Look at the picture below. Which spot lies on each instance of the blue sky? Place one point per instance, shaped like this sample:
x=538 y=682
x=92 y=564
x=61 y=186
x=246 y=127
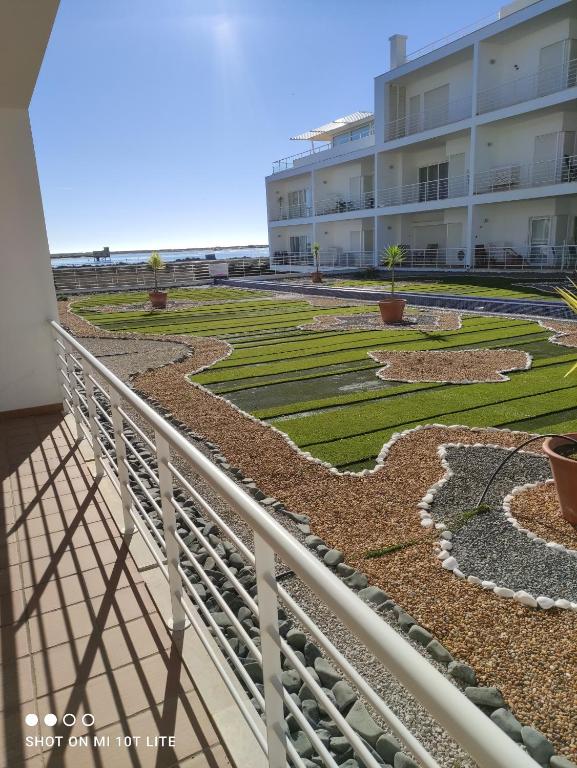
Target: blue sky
x=155 y=123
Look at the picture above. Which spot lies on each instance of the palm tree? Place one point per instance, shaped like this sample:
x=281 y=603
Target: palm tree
x=156 y=263
x=393 y=256
x=570 y=299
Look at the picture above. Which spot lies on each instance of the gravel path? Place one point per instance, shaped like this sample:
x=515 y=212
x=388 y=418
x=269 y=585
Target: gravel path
x=421 y=320
x=488 y=546
x=538 y=511
x=565 y=331
x=509 y=646
x=466 y=366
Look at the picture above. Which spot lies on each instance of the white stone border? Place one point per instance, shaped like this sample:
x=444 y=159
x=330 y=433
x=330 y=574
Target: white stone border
x=390 y=326
x=500 y=371
x=444 y=546
x=557 y=337
x=507 y=501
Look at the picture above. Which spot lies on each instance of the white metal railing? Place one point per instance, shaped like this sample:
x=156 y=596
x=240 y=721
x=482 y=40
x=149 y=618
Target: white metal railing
x=559 y=170
x=547 y=258
x=289 y=162
x=425 y=120
x=283 y=212
x=434 y=257
x=543 y=82
x=425 y=191
x=337 y=203
x=102 y=406
x=332 y=259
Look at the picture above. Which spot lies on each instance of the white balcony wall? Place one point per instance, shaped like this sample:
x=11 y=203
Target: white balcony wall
x=513 y=141
x=278 y=195
x=451 y=151
x=346 y=236
x=516 y=54
x=509 y=223
x=280 y=237
x=346 y=182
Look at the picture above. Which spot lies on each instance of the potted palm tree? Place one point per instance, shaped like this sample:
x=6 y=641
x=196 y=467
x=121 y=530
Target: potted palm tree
x=392 y=309
x=316 y=276
x=157 y=298
x=562 y=449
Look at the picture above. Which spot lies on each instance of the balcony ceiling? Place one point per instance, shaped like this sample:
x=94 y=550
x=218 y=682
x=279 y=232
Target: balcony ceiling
x=25 y=27
x=327 y=131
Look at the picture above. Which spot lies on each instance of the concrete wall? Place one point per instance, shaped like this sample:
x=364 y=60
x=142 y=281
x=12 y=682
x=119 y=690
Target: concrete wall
x=27 y=298
x=281 y=188
x=508 y=223
x=279 y=238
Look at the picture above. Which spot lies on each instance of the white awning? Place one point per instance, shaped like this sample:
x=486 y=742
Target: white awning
x=326 y=132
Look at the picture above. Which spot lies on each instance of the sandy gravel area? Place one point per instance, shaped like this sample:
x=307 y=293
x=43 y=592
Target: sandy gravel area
x=565 y=331
x=465 y=366
x=528 y=654
x=420 y=320
x=538 y=511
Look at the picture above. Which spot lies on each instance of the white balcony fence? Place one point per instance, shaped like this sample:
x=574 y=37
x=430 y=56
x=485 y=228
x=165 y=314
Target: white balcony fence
x=285 y=212
x=159 y=507
x=504 y=256
x=289 y=162
x=421 y=192
x=541 y=83
x=434 y=257
x=560 y=170
x=444 y=114
x=341 y=204
x=331 y=259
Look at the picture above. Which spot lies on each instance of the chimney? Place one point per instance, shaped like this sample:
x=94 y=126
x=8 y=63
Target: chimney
x=397 y=50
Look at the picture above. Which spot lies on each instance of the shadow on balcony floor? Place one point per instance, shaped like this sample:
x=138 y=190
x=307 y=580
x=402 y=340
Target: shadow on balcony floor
x=80 y=637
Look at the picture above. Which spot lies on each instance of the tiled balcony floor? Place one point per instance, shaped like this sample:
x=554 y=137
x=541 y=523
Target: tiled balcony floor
x=79 y=632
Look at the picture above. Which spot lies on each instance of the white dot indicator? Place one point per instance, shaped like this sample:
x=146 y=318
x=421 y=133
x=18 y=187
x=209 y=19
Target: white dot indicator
x=50 y=720
x=31 y=720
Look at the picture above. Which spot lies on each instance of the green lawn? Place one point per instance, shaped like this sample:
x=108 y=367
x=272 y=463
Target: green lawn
x=192 y=294
x=478 y=287
x=321 y=388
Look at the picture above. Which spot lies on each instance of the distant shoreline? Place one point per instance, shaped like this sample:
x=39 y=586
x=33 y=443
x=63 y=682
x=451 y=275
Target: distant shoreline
x=88 y=254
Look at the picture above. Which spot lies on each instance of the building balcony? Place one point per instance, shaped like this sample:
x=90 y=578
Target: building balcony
x=332 y=259
x=337 y=203
x=317 y=153
x=506 y=256
x=543 y=82
x=423 y=192
x=287 y=212
x=425 y=120
x=559 y=170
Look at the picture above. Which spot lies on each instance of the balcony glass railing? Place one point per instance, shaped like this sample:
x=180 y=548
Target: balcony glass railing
x=541 y=83
x=559 y=170
x=444 y=114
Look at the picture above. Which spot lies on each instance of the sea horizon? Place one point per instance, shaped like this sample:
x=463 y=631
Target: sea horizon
x=77 y=259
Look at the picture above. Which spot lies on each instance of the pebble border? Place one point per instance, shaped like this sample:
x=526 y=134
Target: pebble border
x=444 y=545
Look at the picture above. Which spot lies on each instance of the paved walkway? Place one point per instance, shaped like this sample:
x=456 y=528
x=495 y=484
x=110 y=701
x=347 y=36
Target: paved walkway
x=80 y=638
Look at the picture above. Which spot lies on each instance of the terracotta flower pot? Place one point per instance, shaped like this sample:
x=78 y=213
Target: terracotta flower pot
x=316 y=277
x=392 y=310
x=158 y=299
x=565 y=475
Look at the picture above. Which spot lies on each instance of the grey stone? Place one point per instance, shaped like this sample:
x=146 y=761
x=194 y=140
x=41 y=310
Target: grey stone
x=420 y=635
x=324 y=736
x=296 y=639
x=254 y=671
x=340 y=745
x=244 y=613
x=313 y=541
x=439 y=652
x=298 y=518
x=538 y=745
x=350 y=764
x=327 y=674
x=221 y=619
x=463 y=672
x=322 y=549
x=304 y=528
x=311 y=711
x=373 y=595
x=359 y=719
x=333 y=557
x=405 y=620
x=485 y=697
x=404 y=761
x=291 y=680
x=311 y=653
x=344 y=695
x=268 y=501
x=302 y=745
x=558 y=761
x=356 y=580
x=508 y=723
x=292 y=723
x=345 y=570
x=387 y=747
x=330 y=726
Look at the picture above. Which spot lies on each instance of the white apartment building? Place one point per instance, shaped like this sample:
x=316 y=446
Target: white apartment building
x=469 y=159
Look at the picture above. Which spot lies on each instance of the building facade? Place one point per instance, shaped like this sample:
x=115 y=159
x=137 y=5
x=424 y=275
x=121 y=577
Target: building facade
x=469 y=160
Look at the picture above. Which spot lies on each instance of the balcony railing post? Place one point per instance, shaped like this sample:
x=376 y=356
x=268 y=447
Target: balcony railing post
x=120 y=448
x=70 y=369
x=179 y=620
x=270 y=649
x=94 y=429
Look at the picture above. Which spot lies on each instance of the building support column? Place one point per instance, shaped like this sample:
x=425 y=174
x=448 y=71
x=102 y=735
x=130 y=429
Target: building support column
x=470 y=234
x=313 y=204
